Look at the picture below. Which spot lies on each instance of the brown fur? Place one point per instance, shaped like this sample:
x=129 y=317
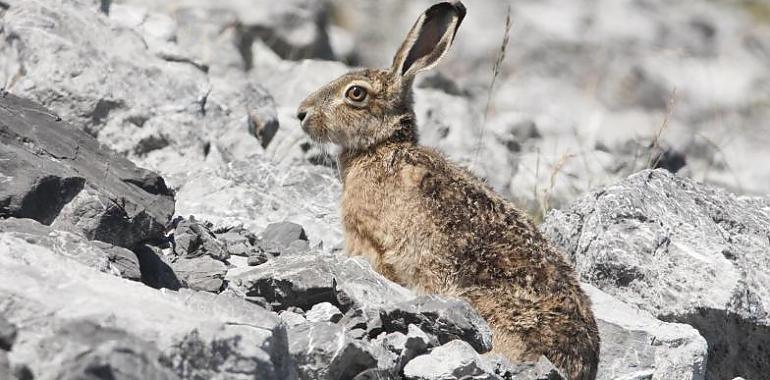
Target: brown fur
x=430 y=225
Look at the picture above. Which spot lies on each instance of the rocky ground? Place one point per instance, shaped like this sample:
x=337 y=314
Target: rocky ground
x=164 y=217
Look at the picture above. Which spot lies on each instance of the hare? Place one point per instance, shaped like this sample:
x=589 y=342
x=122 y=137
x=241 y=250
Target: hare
x=430 y=225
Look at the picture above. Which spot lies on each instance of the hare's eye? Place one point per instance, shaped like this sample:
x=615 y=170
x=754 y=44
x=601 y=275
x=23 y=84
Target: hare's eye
x=356 y=94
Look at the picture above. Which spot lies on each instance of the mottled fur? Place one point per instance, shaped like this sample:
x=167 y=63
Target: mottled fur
x=430 y=225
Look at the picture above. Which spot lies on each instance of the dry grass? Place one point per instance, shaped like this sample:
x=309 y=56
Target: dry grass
x=496 y=69
x=653 y=159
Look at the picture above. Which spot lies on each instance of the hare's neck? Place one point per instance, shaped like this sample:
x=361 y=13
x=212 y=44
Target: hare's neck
x=404 y=137
x=377 y=160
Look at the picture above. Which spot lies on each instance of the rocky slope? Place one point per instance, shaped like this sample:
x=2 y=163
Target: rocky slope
x=224 y=261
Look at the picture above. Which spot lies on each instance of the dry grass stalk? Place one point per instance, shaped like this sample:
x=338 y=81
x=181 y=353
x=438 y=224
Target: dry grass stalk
x=654 y=159
x=496 y=69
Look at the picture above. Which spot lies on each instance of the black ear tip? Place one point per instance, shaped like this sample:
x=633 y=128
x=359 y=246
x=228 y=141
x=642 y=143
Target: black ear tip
x=455 y=6
x=460 y=7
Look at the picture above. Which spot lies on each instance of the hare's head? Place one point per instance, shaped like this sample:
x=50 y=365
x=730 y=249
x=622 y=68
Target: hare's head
x=364 y=108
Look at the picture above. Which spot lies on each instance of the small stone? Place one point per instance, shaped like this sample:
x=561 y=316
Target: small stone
x=324 y=312
x=291 y=319
x=284 y=233
x=255 y=260
x=453 y=361
x=445 y=319
x=7 y=334
x=193 y=239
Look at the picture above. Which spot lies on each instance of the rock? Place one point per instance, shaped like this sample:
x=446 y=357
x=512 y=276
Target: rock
x=284 y=234
x=637 y=345
x=200 y=273
x=446 y=319
x=201 y=335
x=399 y=349
x=324 y=312
x=98 y=255
x=684 y=252
x=258 y=191
x=63 y=176
x=156 y=269
x=83 y=349
x=235 y=243
x=305 y=280
x=7 y=334
x=542 y=369
x=108 y=79
x=323 y=351
x=255 y=260
x=454 y=360
x=291 y=319
x=193 y=239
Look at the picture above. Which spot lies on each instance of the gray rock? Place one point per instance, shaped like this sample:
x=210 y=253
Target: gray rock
x=542 y=369
x=5 y=366
x=156 y=268
x=454 y=360
x=258 y=191
x=193 y=239
x=257 y=259
x=397 y=349
x=637 y=345
x=305 y=280
x=63 y=176
x=284 y=236
x=684 y=252
x=291 y=319
x=323 y=351
x=82 y=349
x=99 y=255
x=201 y=335
x=200 y=273
x=446 y=319
x=324 y=312
x=7 y=334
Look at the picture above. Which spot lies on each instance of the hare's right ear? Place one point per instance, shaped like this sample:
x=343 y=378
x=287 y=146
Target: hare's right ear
x=430 y=38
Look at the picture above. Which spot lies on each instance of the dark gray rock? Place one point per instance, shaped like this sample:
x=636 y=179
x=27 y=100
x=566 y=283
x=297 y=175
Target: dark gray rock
x=284 y=236
x=61 y=175
x=323 y=351
x=446 y=319
x=193 y=239
x=305 y=280
x=684 y=252
x=7 y=334
x=200 y=273
x=96 y=254
x=85 y=350
x=156 y=269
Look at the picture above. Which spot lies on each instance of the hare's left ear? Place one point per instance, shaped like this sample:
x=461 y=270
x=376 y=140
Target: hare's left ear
x=429 y=40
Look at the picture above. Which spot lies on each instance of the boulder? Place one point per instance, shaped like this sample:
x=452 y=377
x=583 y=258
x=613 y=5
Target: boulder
x=323 y=351
x=306 y=280
x=454 y=360
x=634 y=344
x=445 y=319
x=81 y=349
x=323 y=312
x=684 y=252
x=251 y=194
x=200 y=335
x=57 y=174
x=98 y=255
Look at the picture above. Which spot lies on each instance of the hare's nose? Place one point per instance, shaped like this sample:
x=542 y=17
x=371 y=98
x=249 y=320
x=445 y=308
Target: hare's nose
x=301 y=115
